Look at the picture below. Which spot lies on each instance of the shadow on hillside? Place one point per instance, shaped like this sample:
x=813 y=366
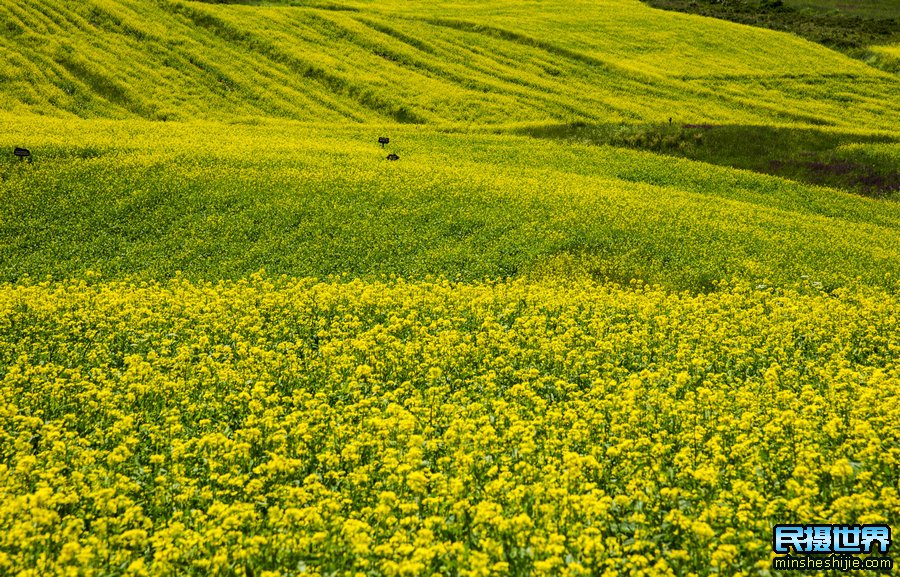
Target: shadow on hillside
x=805 y=155
x=848 y=27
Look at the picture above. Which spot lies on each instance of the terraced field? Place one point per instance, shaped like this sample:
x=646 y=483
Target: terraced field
x=627 y=299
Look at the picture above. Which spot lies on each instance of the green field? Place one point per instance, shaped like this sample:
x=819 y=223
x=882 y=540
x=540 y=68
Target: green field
x=305 y=200
x=857 y=28
x=628 y=298
x=481 y=64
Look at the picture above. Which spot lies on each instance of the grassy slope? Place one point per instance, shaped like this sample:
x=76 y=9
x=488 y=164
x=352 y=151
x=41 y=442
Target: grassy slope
x=213 y=200
x=844 y=160
x=464 y=63
x=306 y=200
x=887 y=57
x=856 y=27
x=182 y=425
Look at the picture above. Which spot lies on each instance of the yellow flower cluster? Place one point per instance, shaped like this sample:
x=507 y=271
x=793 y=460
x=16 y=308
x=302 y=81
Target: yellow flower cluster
x=283 y=427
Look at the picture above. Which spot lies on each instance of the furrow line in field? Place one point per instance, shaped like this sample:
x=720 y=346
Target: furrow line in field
x=328 y=81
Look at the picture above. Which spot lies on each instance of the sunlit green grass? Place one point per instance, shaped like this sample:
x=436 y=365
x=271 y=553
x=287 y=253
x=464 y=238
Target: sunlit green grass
x=854 y=27
x=218 y=139
x=470 y=63
x=221 y=202
x=237 y=340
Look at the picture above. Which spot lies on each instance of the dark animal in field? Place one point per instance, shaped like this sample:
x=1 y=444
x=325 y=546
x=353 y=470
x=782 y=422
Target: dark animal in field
x=393 y=156
x=22 y=153
x=382 y=140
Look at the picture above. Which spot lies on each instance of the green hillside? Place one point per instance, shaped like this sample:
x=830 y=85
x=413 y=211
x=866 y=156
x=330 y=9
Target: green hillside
x=850 y=26
x=461 y=64
x=619 y=295
x=258 y=161
x=215 y=201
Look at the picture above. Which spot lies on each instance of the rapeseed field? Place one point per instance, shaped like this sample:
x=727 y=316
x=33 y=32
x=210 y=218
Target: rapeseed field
x=550 y=338
x=416 y=62
x=308 y=200
x=288 y=427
